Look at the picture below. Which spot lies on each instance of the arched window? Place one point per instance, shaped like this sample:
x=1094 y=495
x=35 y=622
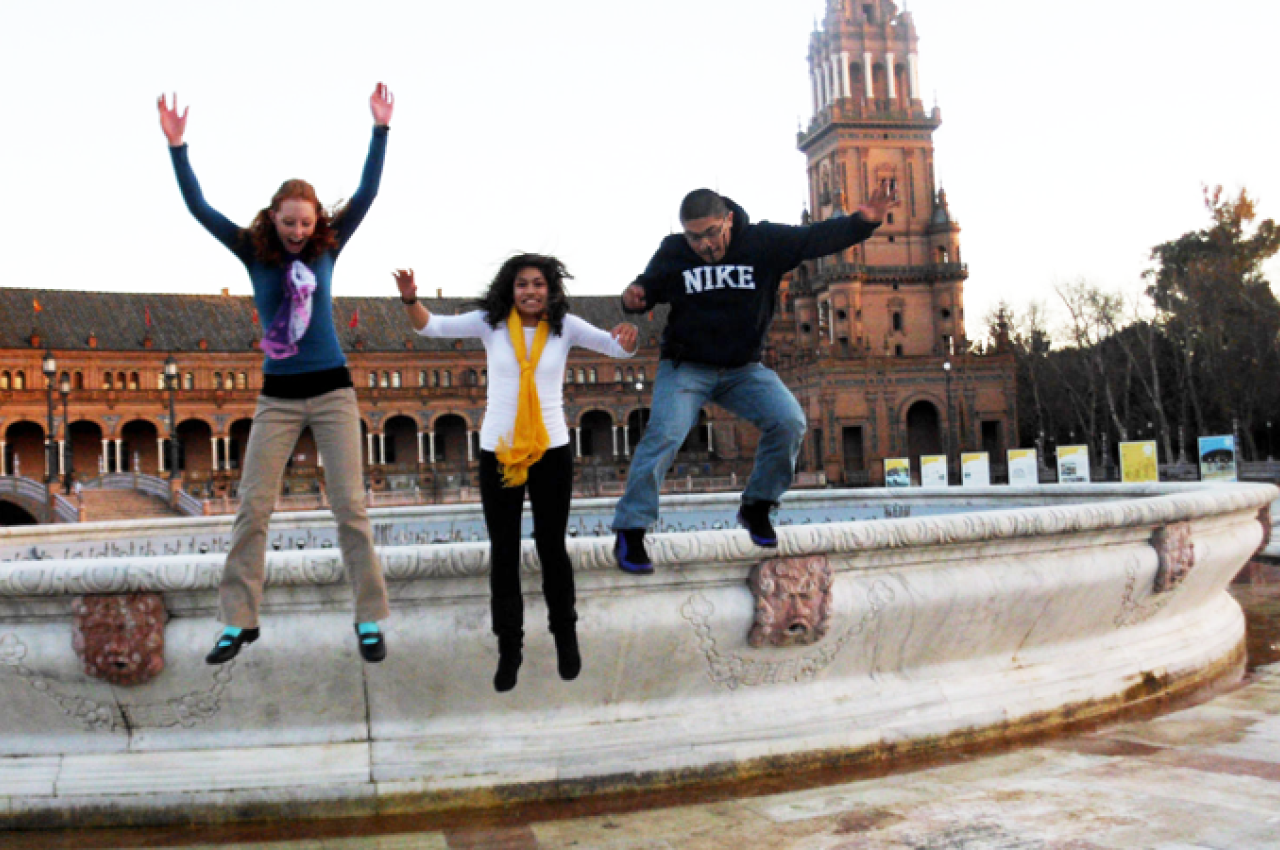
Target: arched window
x=897 y=321
x=5 y=379
x=640 y=374
x=617 y=374
x=242 y=381
x=373 y=380
x=189 y=381
x=568 y=376
x=582 y=376
x=19 y=380
x=108 y=382
x=120 y=380
x=386 y=380
x=422 y=377
x=484 y=377
x=592 y=376
x=447 y=377
x=473 y=377
x=395 y=380
x=435 y=377
x=160 y=381
x=631 y=374
x=133 y=381
x=217 y=380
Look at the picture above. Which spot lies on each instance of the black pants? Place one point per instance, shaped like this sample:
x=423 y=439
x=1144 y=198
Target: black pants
x=550 y=487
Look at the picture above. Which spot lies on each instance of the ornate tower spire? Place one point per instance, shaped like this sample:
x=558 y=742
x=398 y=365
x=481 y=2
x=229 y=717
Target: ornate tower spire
x=870 y=125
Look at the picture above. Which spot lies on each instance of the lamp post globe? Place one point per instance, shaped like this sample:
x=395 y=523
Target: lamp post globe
x=64 y=390
x=49 y=365
x=171 y=384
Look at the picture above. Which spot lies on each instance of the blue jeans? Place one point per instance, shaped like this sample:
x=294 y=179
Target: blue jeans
x=752 y=392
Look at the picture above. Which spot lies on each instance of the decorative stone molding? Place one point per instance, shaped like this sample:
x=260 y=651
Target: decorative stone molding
x=120 y=638
x=793 y=601
x=1264 y=517
x=188 y=710
x=1177 y=555
x=732 y=671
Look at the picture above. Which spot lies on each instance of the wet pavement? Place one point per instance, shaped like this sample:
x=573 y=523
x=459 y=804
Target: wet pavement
x=1203 y=777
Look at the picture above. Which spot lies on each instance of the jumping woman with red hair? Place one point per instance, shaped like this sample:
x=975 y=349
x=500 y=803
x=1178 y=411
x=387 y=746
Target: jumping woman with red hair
x=289 y=251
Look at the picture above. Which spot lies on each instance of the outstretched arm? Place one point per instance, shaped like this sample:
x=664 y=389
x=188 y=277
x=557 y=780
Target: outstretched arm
x=174 y=125
x=381 y=104
x=418 y=314
x=883 y=199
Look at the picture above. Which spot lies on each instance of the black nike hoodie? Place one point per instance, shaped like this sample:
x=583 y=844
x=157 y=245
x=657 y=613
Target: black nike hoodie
x=720 y=312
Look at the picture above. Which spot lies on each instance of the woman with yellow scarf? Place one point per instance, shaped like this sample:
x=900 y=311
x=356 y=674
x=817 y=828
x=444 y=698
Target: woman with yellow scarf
x=524 y=322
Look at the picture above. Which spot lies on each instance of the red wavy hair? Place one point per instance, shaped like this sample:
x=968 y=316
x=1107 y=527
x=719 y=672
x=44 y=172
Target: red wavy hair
x=265 y=241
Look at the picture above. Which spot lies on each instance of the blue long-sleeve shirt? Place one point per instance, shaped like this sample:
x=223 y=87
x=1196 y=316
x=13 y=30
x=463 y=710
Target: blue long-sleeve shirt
x=318 y=349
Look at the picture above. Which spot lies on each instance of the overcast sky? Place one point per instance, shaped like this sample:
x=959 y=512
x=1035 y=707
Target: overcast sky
x=1075 y=135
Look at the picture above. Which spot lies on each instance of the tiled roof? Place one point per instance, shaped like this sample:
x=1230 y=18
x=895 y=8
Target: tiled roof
x=117 y=320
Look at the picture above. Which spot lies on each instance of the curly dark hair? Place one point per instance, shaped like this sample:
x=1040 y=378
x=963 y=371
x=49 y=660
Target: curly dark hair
x=500 y=297
x=264 y=241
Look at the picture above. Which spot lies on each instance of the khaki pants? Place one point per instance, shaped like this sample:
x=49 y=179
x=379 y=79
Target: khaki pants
x=277 y=423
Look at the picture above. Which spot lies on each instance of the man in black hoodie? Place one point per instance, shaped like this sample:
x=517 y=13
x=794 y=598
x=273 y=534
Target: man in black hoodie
x=721 y=278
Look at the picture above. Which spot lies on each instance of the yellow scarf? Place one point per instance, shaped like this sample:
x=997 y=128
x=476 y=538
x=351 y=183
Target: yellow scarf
x=529 y=439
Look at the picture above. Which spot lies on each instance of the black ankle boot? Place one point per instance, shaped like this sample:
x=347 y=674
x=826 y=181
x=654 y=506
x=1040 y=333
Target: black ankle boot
x=228 y=647
x=510 y=656
x=568 y=660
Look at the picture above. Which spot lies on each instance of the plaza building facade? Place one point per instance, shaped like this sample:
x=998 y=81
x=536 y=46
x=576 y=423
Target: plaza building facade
x=872 y=341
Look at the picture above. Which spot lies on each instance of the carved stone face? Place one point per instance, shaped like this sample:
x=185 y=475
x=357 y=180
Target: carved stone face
x=793 y=601
x=120 y=638
x=1177 y=555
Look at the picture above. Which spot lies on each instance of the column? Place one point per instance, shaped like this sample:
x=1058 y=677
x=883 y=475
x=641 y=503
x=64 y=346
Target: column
x=889 y=75
x=913 y=75
x=62 y=457
x=119 y=455
x=3 y=460
x=226 y=453
x=213 y=465
x=711 y=437
x=626 y=442
x=431 y=437
x=382 y=447
x=470 y=454
x=615 y=441
x=106 y=457
x=867 y=75
x=846 y=87
x=370 y=440
x=577 y=442
x=159 y=454
x=420 y=458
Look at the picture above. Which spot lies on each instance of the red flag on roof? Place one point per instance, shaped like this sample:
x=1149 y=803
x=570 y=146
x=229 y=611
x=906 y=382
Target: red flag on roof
x=355 y=318
x=147 y=314
x=255 y=317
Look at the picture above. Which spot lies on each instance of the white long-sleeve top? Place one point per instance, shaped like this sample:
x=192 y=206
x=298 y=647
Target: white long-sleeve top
x=504 y=372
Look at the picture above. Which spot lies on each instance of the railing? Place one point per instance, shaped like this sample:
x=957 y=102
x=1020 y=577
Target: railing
x=64 y=510
x=16 y=485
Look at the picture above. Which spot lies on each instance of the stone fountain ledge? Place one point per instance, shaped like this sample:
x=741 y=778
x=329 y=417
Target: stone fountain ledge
x=860 y=641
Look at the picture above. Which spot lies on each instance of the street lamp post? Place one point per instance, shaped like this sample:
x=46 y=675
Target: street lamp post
x=64 y=390
x=946 y=371
x=171 y=384
x=50 y=369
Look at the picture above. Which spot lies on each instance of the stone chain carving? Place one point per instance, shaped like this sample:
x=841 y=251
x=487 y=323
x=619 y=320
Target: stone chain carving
x=733 y=671
x=793 y=601
x=187 y=710
x=1177 y=555
x=120 y=638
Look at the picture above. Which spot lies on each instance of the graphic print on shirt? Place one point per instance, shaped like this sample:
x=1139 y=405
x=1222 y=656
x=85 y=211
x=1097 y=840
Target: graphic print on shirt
x=708 y=278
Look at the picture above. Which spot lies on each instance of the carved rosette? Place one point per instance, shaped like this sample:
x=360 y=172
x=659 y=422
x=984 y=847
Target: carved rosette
x=1177 y=555
x=120 y=638
x=793 y=601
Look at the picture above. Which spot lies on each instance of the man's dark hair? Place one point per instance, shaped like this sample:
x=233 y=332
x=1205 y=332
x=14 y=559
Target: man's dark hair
x=702 y=203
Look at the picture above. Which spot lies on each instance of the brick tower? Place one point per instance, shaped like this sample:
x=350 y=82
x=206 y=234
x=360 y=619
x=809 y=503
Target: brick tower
x=901 y=293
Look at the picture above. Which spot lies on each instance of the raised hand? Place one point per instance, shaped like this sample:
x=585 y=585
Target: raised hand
x=381 y=104
x=633 y=297
x=626 y=335
x=173 y=124
x=883 y=199
x=408 y=287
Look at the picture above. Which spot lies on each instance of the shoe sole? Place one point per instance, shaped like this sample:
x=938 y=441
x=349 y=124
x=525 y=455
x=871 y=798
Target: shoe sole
x=762 y=542
x=629 y=567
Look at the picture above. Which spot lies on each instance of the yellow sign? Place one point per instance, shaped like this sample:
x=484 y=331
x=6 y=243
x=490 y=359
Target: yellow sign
x=1138 y=462
x=897 y=472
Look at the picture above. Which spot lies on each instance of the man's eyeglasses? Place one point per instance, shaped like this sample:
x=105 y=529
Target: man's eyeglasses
x=710 y=234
